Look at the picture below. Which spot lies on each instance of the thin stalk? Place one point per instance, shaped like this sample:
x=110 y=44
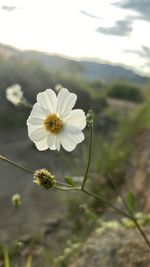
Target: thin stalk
x=141 y=231
x=26 y=103
x=67 y=188
x=95 y=196
x=63 y=184
x=116 y=189
x=16 y=164
x=26 y=169
x=89 y=158
x=107 y=203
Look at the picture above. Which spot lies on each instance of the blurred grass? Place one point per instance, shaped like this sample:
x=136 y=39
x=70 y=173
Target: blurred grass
x=29 y=261
x=6 y=258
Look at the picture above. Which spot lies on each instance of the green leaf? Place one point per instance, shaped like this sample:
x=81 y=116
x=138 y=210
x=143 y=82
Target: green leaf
x=131 y=202
x=6 y=258
x=29 y=261
x=69 y=181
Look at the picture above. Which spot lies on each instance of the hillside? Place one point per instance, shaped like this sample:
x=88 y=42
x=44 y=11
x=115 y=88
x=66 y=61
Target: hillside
x=88 y=70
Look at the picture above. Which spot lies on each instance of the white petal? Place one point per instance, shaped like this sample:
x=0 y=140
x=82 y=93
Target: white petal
x=47 y=100
x=51 y=140
x=76 y=118
x=37 y=111
x=42 y=145
x=65 y=102
x=35 y=121
x=32 y=127
x=36 y=118
x=69 y=140
x=58 y=142
x=38 y=134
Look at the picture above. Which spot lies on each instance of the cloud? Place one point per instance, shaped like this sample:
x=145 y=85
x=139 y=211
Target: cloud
x=140 y=6
x=121 y=28
x=140 y=53
x=9 y=8
x=144 y=52
x=89 y=15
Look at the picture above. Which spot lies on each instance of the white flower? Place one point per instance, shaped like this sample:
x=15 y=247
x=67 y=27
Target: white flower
x=52 y=121
x=14 y=94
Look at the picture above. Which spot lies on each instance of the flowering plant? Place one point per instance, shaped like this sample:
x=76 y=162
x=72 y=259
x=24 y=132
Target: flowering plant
x=53 y=123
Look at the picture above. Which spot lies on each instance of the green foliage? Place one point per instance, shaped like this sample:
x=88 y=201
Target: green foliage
x=81 y=214
x=71 y=248
x=98 y=104
x=111 y=156
x=69 y=180
x=142 y=219
x=97 y=85
x=122 y=90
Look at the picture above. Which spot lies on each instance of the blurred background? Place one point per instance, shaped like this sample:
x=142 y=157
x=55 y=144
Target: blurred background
x=101 y=51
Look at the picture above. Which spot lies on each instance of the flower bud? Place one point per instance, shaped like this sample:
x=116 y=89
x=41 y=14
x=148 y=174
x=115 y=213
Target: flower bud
x=90 y=118
x=58 y=87
x=16 y=200
x=44 y=179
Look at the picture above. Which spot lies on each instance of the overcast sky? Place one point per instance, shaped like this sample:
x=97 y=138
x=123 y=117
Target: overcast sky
x=110 y=30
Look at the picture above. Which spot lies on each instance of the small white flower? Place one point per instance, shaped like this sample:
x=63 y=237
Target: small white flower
x=14 y=94
x=52 y=121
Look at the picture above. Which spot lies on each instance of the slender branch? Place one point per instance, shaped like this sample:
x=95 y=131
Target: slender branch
x=95 y=196
x=26 y=169
x=141 y=231
x=116 y=189
x=67 y=188
x=63 y=184
x=89 y=157
x=16 y=164
x=106 y=202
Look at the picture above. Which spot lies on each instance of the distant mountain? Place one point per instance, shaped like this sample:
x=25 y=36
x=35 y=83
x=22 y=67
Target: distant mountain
x=83 y=69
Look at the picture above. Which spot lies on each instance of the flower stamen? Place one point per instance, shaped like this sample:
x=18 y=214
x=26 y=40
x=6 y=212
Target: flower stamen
x=53 y=124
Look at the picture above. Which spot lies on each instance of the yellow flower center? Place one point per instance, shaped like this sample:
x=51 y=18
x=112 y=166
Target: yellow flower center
x=53 y=123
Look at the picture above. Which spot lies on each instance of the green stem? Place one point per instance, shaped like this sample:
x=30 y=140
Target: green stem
x=89 y=158
x=26 y=103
